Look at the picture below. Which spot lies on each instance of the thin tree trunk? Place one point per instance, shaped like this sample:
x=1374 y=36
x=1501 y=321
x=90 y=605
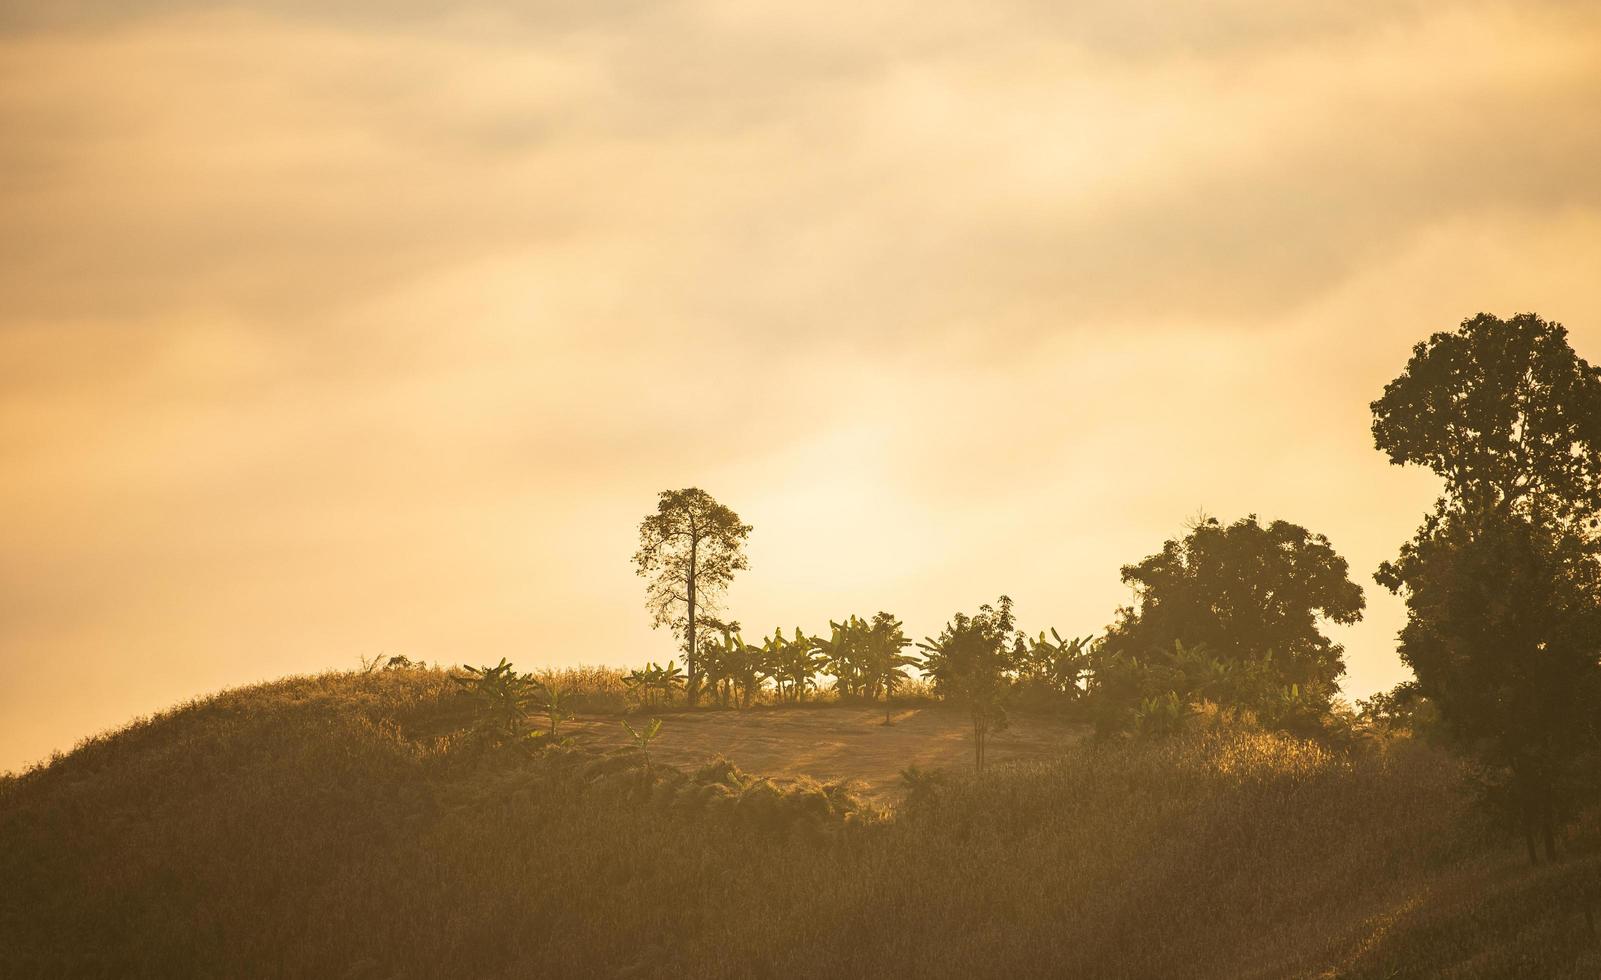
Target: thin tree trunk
x=689 y=594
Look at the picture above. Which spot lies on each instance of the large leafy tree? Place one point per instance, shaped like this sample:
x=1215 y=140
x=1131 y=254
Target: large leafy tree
x=1504 y=612
x=1506 y=413
x=1252 y=595
x=689 y=550
x=1504 y=635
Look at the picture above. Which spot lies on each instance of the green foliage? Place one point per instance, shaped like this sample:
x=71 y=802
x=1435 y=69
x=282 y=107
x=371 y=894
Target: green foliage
x=1400 y=711
x=1251 y=595
x=654 y=684
x=971 y=662
x=1060 y=667
x=642 y=737
x=866 y=659
x=1161 y=715
x=844 y=655
x=556 y=707
x=1126 y=690
x=793 y=664
x=501 y=698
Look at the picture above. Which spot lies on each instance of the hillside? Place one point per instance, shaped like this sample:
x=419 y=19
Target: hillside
x=346 y=825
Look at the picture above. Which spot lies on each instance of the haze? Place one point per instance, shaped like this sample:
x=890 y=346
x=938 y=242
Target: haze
x=337 y=329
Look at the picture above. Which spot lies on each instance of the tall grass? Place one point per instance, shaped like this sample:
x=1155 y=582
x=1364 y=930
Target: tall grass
x=344 y=825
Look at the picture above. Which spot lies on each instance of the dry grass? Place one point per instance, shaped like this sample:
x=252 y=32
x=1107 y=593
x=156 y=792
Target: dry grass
x=840 y=741
x=343 y=826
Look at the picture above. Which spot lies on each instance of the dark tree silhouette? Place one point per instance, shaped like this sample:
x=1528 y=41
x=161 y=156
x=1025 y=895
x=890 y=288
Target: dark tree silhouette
x=1506 y=413
x=689 y=550
x=1504 y=633
x=1501 y=580
x=1245 y=592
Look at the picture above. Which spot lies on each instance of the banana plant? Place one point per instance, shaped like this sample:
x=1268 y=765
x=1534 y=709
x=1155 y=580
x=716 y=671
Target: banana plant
x=501 y=696
x=556 y=709
x=654 y=681
x=802 y=661
x=1062 y=664
x=1161 y=715
x=885 y=659
x=642 y=739
x=671 y=678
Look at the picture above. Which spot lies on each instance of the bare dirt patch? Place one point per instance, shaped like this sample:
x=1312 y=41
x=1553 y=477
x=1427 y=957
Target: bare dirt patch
x=834 y=742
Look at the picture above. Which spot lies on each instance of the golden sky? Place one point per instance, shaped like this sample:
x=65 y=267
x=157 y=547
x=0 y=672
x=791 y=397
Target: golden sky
x=337 y=328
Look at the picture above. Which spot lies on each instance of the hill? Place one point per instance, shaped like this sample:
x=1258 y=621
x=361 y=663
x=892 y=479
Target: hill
x=348 y=825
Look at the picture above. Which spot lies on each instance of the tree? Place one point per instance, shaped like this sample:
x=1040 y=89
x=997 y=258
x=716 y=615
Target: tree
x=689 y=550
x=1504 y=634
x=969 y=664
x=1503 y=579
x=1507 y=413
x=1253 y=597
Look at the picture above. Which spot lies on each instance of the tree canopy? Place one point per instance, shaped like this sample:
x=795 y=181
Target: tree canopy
x=1506 y=412
x=1244 y=591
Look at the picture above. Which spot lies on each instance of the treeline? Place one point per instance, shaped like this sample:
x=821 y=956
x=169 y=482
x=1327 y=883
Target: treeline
x=1200 y=635
x=1502 y=583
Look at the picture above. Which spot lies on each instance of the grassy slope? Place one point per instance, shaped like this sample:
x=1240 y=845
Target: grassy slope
x=342 y=826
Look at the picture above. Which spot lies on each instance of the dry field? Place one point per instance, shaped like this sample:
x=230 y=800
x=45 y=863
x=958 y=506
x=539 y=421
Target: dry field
x=342 y=825
x=831 y=742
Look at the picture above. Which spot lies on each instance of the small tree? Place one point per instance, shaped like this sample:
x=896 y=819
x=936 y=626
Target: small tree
x=689 y=550
x=969 y=664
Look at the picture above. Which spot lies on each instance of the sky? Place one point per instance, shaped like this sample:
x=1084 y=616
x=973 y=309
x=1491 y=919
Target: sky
x=331 y=329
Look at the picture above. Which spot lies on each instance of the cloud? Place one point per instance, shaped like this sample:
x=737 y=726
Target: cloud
x=338 y=328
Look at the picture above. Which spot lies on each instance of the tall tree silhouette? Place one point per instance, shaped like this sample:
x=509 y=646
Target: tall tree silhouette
x=1503 y=579
x=689 y=550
